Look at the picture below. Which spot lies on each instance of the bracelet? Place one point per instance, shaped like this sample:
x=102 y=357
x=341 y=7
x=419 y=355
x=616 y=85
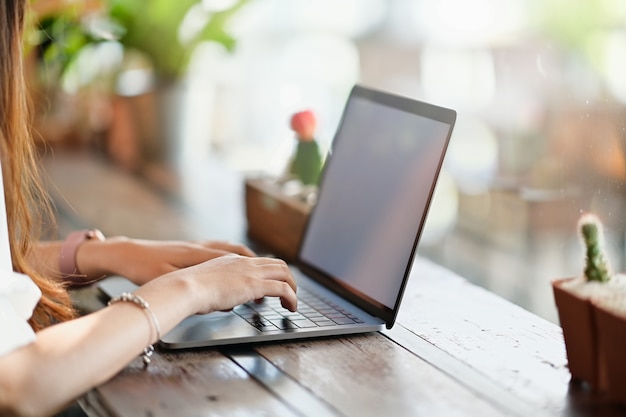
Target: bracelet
x=137 y=300
x=67 y=256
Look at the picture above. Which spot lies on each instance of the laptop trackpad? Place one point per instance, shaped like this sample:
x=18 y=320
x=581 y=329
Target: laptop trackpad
x=213 y=326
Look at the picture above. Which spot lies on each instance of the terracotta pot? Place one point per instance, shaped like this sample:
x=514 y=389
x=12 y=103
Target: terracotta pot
x=145 y=127
x=611 y=331
x=576 y=315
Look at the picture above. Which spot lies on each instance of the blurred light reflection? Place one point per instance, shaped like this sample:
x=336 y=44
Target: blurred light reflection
x=472 y=157
x=615 y=64
x=458 y=78
x=348 y=18
x=469 y=23
x=443 y=214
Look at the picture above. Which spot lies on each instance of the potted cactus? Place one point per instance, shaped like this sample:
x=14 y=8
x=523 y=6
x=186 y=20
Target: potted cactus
x=573 y=301
x=592 y=312
x=306 y=164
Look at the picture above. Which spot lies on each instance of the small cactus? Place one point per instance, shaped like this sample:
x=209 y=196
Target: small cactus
x=596 y=265
x=307 y=161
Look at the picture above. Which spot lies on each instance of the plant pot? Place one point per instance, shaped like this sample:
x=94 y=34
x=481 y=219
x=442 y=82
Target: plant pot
x=275 y=220
x=611 y=331
x=576 y=315
x=144 y=127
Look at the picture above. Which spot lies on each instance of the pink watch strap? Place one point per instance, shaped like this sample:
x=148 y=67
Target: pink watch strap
x=67 y=257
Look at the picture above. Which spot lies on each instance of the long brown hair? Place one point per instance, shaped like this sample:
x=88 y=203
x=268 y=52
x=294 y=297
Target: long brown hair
x=26 y=201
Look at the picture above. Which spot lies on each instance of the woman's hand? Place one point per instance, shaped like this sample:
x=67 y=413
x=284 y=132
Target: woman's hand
x=226 y=282
x=143 y=260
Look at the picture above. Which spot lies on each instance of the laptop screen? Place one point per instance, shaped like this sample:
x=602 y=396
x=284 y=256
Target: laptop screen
x=376 y=188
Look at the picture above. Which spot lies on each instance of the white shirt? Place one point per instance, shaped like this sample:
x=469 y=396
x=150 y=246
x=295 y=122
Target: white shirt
x=18 y=293
x=18 y=297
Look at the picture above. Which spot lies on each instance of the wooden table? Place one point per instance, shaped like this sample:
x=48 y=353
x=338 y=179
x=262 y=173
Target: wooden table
x=456 y=350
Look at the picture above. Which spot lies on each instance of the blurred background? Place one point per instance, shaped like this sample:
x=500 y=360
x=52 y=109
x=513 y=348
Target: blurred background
x=165 y=87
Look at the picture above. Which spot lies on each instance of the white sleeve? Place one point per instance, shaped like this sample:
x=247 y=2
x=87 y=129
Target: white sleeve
x=18 y=293
x=18 y=297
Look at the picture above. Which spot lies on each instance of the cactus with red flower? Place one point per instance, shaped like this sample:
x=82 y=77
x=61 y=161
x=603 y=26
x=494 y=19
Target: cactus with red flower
x=307 y=161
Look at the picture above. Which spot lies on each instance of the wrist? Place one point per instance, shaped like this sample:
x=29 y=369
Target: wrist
x=68 y=265
x=97 y=258
x=178 y=292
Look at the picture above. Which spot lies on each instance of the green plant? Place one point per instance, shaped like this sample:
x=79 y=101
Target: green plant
x=56 y=37
x=154 y=28
x=596 y=266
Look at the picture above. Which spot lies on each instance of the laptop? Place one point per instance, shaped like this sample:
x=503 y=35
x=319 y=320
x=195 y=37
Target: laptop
x=357 y=249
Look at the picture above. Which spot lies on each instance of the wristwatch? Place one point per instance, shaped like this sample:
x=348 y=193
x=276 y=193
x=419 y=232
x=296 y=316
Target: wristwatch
x=67 y=257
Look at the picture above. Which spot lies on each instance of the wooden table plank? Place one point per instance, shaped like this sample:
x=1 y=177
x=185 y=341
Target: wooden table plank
x=464 y=374
x=188 y=383
x=524 y=353
x=289 y=390
x=369 y=375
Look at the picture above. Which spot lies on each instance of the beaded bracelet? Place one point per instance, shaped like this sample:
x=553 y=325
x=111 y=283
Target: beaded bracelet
x=137 y=300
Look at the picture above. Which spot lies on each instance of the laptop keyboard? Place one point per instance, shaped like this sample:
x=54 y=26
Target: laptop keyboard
x=313 y=311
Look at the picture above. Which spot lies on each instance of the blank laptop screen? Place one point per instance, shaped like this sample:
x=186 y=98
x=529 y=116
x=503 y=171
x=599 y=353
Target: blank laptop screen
x=375 y=194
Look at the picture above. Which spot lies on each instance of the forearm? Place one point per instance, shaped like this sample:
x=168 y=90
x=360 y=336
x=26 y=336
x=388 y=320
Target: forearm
x=44 y=258
x=70 y=358
x=136 y=259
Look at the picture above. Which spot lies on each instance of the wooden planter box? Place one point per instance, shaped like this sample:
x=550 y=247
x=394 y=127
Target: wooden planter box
x=275 y=220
